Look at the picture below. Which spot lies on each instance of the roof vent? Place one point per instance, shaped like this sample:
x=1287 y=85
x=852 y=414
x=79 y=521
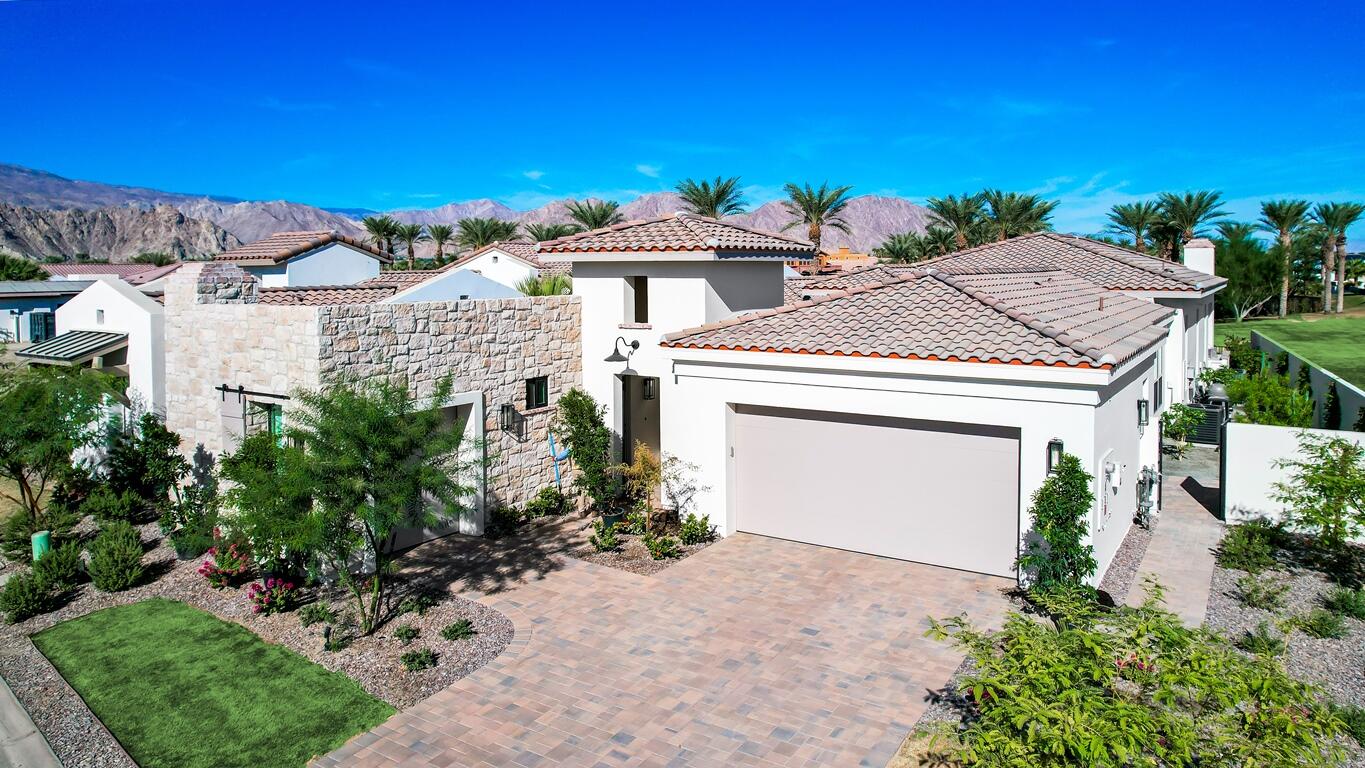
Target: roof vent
x=713 y=241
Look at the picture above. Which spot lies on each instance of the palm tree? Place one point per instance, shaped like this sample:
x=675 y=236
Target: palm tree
x=479 y=231
x=962 y=216
x=1334 y=219
x=546 y=285
x=1134 y=220
x=409 y=235
x=594 y=214
x=1011 y=214
x=542 y=232
x=714 y=199
x=1353 y=213
x=440 y=234
x=905 y=248
x=1284 y=218
x=19 y=268
x=817 y=209
x=382 y=230
x=1189 y=213
x=941 y=240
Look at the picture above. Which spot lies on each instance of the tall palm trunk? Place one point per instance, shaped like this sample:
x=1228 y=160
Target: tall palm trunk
x=960 y=239
x=1341 y=273
x=1286 y=250
x=1329 y=248
x=813 y=233
x=1138 y=243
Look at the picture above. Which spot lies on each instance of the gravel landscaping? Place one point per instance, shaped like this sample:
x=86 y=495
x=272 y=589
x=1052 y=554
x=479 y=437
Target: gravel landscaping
x=631 y=555
x=78 y=739
x=1123 y=570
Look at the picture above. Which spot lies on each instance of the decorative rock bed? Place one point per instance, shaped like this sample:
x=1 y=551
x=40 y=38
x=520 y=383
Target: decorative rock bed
x=78 y=738
x=631 y=555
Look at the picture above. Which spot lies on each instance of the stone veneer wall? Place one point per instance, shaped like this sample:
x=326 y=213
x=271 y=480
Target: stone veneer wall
x=491 y=345
x=260 y=347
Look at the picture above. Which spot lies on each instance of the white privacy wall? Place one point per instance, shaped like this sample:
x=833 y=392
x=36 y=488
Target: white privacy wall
x=1250 y=472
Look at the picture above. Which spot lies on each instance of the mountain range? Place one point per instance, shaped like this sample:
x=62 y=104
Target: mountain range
x=43 y=214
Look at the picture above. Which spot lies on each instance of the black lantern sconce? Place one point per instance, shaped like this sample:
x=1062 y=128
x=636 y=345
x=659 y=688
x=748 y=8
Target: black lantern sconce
x=1143 y=415
x=651 y=388
x=1054 y=454
x=507 y=417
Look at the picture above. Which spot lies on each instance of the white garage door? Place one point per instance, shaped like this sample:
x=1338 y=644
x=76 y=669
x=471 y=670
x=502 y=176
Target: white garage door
x=932 y=492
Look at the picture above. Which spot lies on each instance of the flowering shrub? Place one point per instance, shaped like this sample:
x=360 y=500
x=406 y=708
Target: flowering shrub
x=272 y=595
x=230 y=564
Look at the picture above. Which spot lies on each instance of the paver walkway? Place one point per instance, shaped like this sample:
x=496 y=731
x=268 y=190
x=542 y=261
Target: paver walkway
x=1180 y=555
x=21 y=744
x=754 y=651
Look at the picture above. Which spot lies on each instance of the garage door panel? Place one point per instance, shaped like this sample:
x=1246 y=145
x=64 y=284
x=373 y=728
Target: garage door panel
x=945 y=494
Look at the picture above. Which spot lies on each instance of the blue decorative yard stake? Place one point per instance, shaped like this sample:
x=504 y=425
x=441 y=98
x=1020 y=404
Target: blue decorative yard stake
x=558 y=456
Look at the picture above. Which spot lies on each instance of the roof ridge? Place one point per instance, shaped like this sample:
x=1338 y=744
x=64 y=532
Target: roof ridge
x=685 y=218
x=1026 y=319
x=1088 y=245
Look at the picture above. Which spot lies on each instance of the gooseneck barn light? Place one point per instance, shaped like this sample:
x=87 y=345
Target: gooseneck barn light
x=616 y=356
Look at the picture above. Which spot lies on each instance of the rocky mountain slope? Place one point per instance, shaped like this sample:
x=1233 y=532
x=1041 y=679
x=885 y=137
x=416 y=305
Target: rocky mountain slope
x=117 y=233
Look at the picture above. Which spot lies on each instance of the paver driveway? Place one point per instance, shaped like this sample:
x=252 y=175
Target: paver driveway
x=755 y=651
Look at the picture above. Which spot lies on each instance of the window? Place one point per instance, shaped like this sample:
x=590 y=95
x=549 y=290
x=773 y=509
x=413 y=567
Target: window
x=637 y=300
x=41 y=326
x=537 y=392
x=99 y=317
x=265 y=417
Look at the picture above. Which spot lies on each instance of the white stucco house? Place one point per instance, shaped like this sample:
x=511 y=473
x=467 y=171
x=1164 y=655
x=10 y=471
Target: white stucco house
x=447 y=284
x=508 y=262
x=934 y=399
x=323 y=257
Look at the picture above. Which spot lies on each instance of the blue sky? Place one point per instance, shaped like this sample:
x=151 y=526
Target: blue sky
x=400 y=104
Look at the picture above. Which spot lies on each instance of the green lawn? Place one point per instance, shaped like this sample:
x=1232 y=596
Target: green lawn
x=181 y=689
x=1334 y=343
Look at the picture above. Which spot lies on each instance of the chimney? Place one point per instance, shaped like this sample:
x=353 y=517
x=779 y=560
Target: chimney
x=1199 y=255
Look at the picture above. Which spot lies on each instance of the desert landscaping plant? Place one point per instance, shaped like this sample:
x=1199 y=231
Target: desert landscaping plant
x=406 y=633
x=549 y=501
x=460 y=629
x=1325 y=493
x=1320 y=623
x=1178 y=421
x=1261 y=591
x=1345 y=601
x=272 y=595
x=1262 y=641
x=1248 y=547
x=270 y=498
x=419 y=603
x=418 y=660
x=603 y=537
x=116 y=558
x=661 y=547
x=229 y=563
x=696 y=530
x=25 y=594
x=146 y=461
x=62 y=567
x=107 y=506
x=317 y=613
x=1055 y=554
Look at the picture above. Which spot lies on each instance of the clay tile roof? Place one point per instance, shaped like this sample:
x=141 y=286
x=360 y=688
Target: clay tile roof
x=282 y=246
x=1020 y=318
x=322 y=295
x=406 y=278
x=679 y=232
x=146 y=276
x=1106 y=265
x=121 y=270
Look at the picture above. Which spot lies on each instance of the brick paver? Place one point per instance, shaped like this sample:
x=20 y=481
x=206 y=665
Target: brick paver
x=754 y=652
x=1180 y=554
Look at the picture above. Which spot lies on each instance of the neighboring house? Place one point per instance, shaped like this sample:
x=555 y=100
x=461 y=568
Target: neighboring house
x=844 y=259
x=446 y=284
x=28 y=309
x=287 y=259
x=128 y=272
x=116 y=327
x=508 y=262
x=936 y=400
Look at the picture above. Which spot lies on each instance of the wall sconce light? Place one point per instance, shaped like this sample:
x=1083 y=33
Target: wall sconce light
x=506 y=417
x=1142 y=412
x=616 y=356
x=1054 y=454
x=651 y=387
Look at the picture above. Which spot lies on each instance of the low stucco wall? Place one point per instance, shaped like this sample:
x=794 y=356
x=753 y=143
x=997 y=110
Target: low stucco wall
x=1250 y=471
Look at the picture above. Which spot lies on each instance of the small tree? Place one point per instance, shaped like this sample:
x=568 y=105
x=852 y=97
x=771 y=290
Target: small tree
x=371 y=458
x=270 y=492
x=1325 y=493
x=1055 y=555
x=1331 y=410
x=581 y=423
x=1178 y=421
x=147 y=460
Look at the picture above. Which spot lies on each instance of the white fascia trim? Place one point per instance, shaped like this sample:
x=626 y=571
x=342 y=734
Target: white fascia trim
x=994 y=372
x=1193 y=293
x=647 y=256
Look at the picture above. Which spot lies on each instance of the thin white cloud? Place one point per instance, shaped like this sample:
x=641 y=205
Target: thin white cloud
x=276 y=105
x=533 y=175
x=652 y=171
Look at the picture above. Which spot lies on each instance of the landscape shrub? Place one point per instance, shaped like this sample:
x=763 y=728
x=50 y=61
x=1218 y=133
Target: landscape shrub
x=25 y=594
x=1282 y=364
x=1220 y=375
x=1353 y=718
x=696 y=530
x=603 y=537
x=146 y=460
x=1054 y=554
x=272 y=595
x=1325 y=493
x=316 y=613
x=116 y=558
x=1345 y=601
x=107 y=506
x=636 y=522
x=1247 y=547
x=1331 y=409
x=62 y=567
x=229 y=562
x=1261 y=591
x=1262 y=641
x=1241 y=355
x=1319 y=623
x=189 y=520
x=1304 y=382
x=73 y=485
x=460 y=629
x=419 y=603
x=1128 y=687
x=406 y=633
x=661 y=547
x=503 y=520
x=1178 y=421
x=640 y=477
x=20 y=526
x=414 y=661
x=581 y=423
x=1267 y=398
x=548 y=502
x=271 y=502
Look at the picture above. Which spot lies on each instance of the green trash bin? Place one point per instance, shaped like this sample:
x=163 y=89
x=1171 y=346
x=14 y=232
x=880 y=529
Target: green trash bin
x=42 y=544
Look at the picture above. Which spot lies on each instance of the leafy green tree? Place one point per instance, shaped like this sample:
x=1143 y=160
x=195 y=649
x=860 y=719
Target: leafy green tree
x=440 y=235
x=479 y=231
x=1189 y=214
x=1325 y=492
x=546 y=285
x=1253 y=272
x=20 y=268
x=1284 y=218
x=1010 y=214
x=1135 y=221
x=383 y=230
x=962 y=216
x=147 y=461
x=371 y=456
x=816 y=209
x=581 y=424
x=154 y=258
x=1178 y=421
x=905 y=248
x=1055 y=555
x=1267 y=398
x=542 y=232
x=594 y=214
x=270 y=491
x=410 y=235
x=716 y=199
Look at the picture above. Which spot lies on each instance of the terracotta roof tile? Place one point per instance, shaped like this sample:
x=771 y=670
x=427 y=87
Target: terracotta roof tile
x=121 y=270
x=322 y=295
x=282 y=246
x=679 y=232
x=405 y=278
x=1023 y=318
x=1106 y=265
